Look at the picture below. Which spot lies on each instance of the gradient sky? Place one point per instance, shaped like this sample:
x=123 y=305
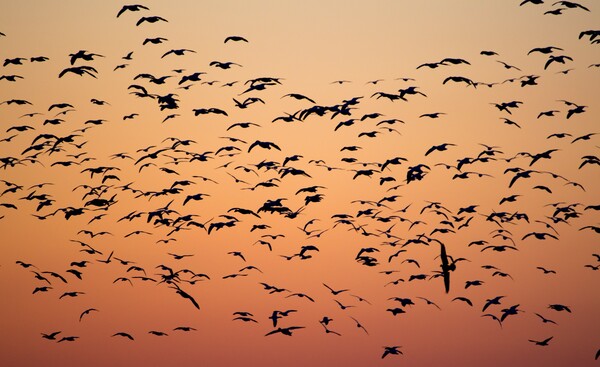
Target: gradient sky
x=308 y=45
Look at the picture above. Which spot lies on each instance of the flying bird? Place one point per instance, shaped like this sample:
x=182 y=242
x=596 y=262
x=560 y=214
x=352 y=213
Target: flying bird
x=150 y=19
x=135 y=7
x=235 y=39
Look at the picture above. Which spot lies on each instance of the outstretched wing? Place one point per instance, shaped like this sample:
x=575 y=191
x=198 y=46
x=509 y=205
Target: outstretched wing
x=445 y=266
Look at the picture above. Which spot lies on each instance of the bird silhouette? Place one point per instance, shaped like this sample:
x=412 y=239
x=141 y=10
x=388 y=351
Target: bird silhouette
x=150 y=19
x=135 y=7
x=79 y=70
x=235 y=39
x=391 y=350
x=51 y=336
x=123 y=334
x=87 y=312
x=285 y=331
x=542 y=343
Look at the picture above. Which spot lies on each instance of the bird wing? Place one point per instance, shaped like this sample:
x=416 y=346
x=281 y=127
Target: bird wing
x=273 y=332
x=253 y=145
x=445 y=272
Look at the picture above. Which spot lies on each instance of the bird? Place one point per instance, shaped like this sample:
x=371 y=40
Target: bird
x=431 y=65
x=446 y=267
x=493 y=317
x=559 y=59
x=263 y=144
x=86 y=312
x=154 y=41
x=14 y=61
x=512 y=310
x=123 y=334
x=10 y=78
x=464 y=299
x=429 y=302
x=157 y=333
x=135 y=7
x=393 y=350
x=177 y=52
x=68 y=339
x=70 y=294
x=440 y=148
x=206 y=111
x=559 y=307
x=38 y=59
x=50 y=336
x=542 y=343
x=150 y=19
x=545 y=50
x=546 y=271
x=507 y=66
x=245 y=319
x=583 y=137
x=223 y=65
x=285 y=331
x=557 y=11
x=576 y=110
x=570 y=5
x=491 y=301
x=488 y=53
x=545 y=320
x=235 y=39
x=83 y=55
x=539 y=235
x=335 y=292
x=79 y=70
x=185 y=295
x=433 y=115
x=458 y=79
x=184 y=328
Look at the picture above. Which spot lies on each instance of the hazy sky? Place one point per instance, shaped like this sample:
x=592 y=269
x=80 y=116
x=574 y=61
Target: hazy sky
x=355 y=212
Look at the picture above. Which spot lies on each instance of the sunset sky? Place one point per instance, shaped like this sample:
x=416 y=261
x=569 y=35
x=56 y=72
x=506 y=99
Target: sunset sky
x=106 y=152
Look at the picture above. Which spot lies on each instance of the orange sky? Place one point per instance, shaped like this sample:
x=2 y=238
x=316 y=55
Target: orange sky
x=306 y=46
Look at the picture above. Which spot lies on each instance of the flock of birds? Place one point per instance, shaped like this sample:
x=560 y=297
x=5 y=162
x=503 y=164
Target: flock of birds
x=395 y=226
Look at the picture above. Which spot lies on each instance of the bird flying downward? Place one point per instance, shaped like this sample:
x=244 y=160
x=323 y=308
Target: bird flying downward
x=446 y=267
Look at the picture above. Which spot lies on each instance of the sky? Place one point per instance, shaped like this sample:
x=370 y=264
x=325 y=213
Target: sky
x=162 y=203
